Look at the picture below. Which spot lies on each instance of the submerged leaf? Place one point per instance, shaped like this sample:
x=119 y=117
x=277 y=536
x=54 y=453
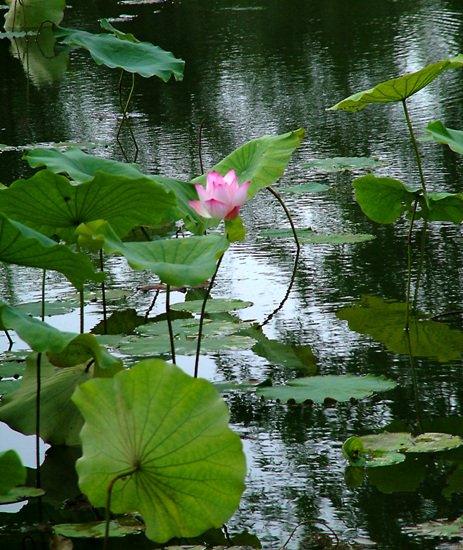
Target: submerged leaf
x=384 y=320
x=319 y=388
x=169 y=433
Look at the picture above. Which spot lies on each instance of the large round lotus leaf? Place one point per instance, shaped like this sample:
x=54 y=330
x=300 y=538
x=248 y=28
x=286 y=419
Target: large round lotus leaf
x=169 y=433
x=319 y=388
x=404 y=442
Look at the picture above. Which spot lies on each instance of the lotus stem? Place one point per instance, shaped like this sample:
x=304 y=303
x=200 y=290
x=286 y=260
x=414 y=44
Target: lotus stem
x=169 y=324
x=125 y=118
x=82 y=305
x=37 y=421
x=277 y=196
x=420 y=266
x=305 y=523
x=199 y=146
x=201 y=318
x=43 y=295
x=10 y=341
x=288 y=291
x=103 y=295
x=415 y=383
x=409 y=267
x=108 y=503
x=415 y=147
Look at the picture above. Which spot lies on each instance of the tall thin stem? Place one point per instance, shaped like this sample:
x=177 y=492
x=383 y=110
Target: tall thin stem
x=108 y=503
x=43 y=294
x=420 y=266
x=280 y=200
x=409 y=267
x=415 y=383
x=125 y=119
x=82 y=305
x=37 y=420
x=201 y=318
x=415 y=147
x=103 y=295
x=169 y=324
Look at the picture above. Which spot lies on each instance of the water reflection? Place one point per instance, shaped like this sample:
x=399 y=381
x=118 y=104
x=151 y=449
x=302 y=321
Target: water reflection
x=253 y=68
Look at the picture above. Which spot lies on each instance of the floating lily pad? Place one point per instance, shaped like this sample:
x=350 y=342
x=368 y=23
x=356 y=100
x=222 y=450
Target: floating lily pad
x=119 y=527
x=306 y=188
x=338 y=164
x=320 y=388
x=51 y=308
x=308 y=236
x=424 y=443
x=184 y=345
x=190 y=328
x=439 y=528
x=212 y=305
x=18 y=494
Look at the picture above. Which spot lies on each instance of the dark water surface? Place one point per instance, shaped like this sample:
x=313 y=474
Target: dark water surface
x=256 y=67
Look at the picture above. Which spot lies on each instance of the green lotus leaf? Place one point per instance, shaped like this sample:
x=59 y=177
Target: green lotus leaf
x=119 y=527
x=213 y=305
x=340 y=164
x=441 y=134
x=59 y=307
x=384 y=320
x=383 y=458
x=352 y=448
x=177 y=262
x=305 y=188
x=78 y=165
x=61 y=346
x=184 y=344
x=30 y=14
x=22 y=245
x=383 y=200
x=82 y=167
x=319 y=389
x=190 y=328
x=122 y=201
x=424 y=443
x=60 y=420
x=12 y=471
x=134 y=57
x=396 y=89
x=261 y=161
x=445 y=207
x=169 y=434
x=18 y=494
x=442 y=528
x=308 y=236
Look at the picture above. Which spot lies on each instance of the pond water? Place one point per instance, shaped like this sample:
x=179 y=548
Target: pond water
x=256 y=67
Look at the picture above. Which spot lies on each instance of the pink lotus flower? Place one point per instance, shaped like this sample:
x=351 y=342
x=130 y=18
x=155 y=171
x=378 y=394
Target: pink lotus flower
x=222 y=197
